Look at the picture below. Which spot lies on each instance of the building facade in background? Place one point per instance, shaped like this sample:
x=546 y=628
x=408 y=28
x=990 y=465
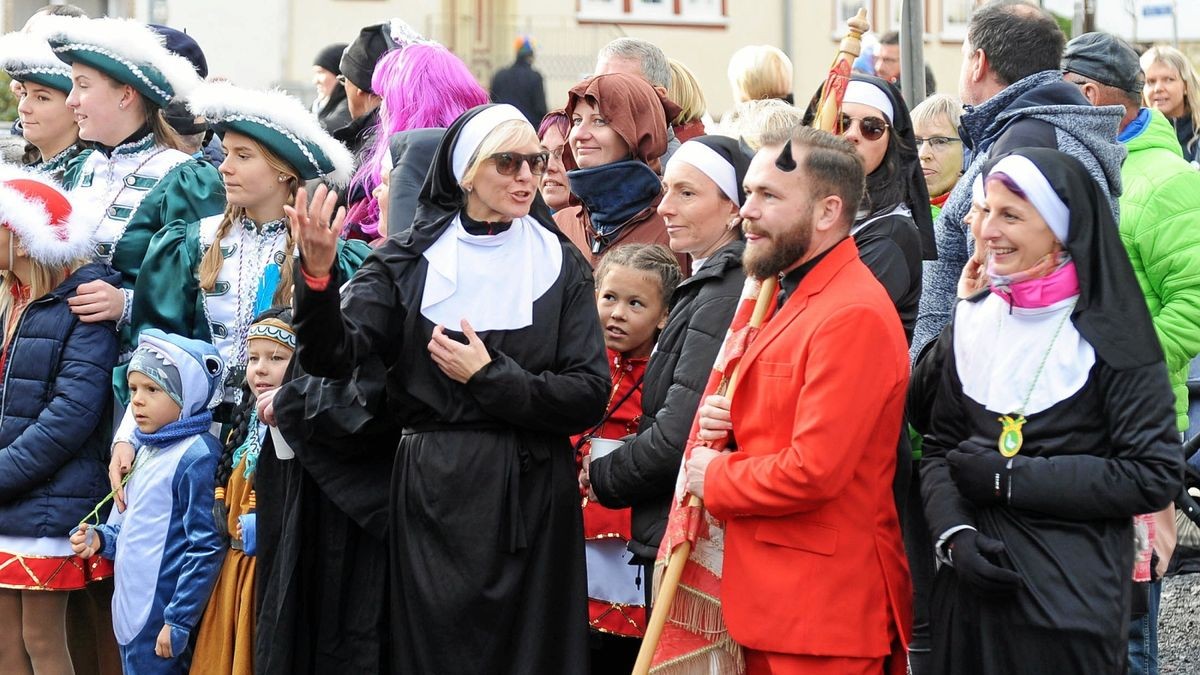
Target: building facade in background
x=261 y=43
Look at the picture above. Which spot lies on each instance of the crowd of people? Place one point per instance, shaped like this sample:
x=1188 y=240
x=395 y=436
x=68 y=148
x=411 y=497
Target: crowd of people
x=431 y=378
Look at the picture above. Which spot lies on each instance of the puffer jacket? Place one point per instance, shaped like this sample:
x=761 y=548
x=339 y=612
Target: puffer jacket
x=642 y=473
x=1160 y=227
x=55 y=407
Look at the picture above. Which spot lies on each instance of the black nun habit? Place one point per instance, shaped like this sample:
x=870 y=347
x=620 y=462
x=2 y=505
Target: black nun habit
x=485 y=540
x=1039 y=542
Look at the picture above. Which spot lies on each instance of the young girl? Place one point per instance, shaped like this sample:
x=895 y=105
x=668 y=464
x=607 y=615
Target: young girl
x=226 y=640
x=135 y=179
x=46 y=122
x=208 y=278
x=633 y=285
x=55 y=373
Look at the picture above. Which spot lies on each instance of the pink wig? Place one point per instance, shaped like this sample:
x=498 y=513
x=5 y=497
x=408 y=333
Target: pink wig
x=423 y=86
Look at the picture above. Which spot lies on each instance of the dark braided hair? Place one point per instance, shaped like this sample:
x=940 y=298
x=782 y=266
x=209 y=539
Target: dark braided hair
x=239 y=425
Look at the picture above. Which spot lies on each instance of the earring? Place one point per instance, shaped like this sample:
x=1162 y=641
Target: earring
x=281 y=178
x=121 y=105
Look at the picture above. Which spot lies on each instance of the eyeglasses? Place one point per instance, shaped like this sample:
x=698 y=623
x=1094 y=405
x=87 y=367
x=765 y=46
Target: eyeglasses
x=871 y=128
x=508 y=163
x=341 y=79
x=938 y=143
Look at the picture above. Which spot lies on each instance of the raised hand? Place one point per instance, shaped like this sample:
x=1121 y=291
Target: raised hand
x=316 y=229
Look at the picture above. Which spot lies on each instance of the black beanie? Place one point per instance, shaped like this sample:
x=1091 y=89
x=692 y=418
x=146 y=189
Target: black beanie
x=330 y=58
x=358 y=61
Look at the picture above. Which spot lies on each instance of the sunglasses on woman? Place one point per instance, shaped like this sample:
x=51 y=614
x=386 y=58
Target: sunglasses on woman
x=871 y=127
x=508 y=163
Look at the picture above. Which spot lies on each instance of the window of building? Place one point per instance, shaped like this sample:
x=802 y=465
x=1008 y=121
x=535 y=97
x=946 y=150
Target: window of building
x=682 y=12
x=956 y=14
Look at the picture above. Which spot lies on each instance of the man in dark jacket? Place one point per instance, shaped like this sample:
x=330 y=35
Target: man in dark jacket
x=520 y=85
x=1014 y=97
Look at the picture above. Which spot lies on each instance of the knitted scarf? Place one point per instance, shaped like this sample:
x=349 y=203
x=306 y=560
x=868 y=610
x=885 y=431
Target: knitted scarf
x=177 y=430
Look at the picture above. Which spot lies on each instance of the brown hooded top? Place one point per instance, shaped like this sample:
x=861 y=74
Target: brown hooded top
x=634 y=109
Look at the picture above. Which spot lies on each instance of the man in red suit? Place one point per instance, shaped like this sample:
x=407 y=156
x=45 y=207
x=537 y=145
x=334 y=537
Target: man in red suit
x=815 y=578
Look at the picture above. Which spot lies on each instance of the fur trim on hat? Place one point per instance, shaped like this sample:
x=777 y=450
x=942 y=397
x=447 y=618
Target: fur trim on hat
x=126 y=40
x=25 y=53
x=220 y=101
x=404 y=34
x=26 y=215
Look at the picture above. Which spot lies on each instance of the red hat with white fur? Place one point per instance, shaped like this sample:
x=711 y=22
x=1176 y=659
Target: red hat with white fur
x=43 y=218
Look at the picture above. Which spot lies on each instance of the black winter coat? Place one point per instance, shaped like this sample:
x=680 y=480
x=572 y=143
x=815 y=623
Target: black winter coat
x=55 y=407
x=642 y=473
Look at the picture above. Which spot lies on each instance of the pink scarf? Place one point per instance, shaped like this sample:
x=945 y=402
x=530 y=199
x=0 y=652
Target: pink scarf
x=1035 y=287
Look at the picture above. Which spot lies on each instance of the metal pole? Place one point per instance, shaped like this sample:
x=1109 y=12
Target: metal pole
x=912 y=52
x=1175 y=23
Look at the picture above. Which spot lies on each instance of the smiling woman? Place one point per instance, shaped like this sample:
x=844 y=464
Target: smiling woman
x=492 y=328
x=618 y=133
x=46 y=122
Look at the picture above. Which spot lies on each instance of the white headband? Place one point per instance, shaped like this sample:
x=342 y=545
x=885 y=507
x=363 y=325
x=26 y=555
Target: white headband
x=475 y=130
x=868 y=94
x=711 y=164
x=1035 y=186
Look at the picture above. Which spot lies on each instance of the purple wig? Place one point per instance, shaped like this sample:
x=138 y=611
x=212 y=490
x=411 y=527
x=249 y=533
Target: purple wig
x=423 y=86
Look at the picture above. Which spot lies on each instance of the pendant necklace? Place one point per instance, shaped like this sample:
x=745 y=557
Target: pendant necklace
x=1011 y=438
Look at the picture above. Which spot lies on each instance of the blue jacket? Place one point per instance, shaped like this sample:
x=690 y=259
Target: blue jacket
x=55 y=397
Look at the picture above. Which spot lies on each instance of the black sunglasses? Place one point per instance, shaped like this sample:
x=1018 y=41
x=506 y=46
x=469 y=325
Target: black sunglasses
x=871 y=128
x=508 y=163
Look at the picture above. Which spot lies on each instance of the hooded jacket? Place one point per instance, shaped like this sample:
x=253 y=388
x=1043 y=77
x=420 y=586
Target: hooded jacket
x=627 y=197
x=1040 y=110
x=1160 y=210
x=55 y=393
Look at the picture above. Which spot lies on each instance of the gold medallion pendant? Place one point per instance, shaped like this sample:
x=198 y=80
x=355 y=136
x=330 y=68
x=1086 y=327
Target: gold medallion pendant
x=1011 y=437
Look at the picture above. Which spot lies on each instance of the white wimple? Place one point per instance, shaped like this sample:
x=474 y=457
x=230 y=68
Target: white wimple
x=219 y=101
x=131 y=42
x=24 y=53
x=30 y=221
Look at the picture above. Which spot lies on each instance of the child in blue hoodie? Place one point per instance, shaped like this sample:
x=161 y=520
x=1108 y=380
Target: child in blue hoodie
x=167 y=531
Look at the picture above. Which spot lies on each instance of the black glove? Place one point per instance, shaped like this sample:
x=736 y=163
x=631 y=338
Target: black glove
x=972 y=554
x=981 y=473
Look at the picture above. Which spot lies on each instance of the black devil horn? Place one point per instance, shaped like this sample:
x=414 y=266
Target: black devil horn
x=785 y=161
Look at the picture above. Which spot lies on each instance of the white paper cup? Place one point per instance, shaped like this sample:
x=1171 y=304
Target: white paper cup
x=604 y=446
x=282 y=449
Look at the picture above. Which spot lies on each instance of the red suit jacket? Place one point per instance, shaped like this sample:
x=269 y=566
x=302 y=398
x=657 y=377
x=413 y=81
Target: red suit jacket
x=814 y=562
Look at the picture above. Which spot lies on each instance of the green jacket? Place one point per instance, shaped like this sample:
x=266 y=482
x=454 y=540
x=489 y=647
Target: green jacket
x=1160 y=227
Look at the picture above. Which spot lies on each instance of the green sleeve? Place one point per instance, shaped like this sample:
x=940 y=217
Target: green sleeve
x=167 y=291
x=189 y=192
x=74 y=169
x=350 y=256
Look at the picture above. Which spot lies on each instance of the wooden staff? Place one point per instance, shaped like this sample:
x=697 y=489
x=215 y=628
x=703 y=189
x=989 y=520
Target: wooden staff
x=827 y=119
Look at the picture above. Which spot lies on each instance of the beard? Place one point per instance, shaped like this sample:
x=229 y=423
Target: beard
x=772 y=254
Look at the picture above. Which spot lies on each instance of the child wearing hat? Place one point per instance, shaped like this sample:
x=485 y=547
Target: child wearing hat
x=240 y=263
x=55 y=373
x=137 y=178
x=165 y=545
x=47 y=124
x=225 y=643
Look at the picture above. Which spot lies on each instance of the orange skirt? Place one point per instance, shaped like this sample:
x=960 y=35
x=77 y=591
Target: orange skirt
x=225 y=643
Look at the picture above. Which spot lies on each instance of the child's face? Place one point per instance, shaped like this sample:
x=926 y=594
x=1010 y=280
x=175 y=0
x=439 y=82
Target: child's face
x=267 y=362
x=631 y=309
x=153 y=409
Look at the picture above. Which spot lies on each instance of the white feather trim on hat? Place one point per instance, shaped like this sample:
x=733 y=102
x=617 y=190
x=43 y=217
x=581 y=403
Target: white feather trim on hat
x=220 y=101
x=24 y=52
x=404 y=34
x=126 y=40
x=29 y=220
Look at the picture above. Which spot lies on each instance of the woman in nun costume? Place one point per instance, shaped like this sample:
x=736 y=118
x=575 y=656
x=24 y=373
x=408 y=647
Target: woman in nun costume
x=484 y=317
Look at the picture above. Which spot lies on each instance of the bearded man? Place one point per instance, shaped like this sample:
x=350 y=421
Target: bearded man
x=815 y=578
